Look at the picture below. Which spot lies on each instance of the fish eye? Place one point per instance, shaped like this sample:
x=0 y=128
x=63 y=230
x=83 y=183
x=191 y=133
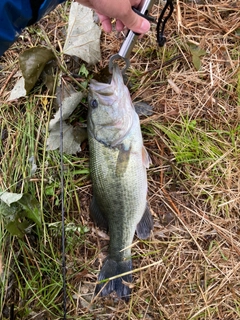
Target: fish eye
x=94 y=104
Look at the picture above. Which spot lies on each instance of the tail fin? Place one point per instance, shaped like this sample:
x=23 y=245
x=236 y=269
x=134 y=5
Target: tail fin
x=110 y=269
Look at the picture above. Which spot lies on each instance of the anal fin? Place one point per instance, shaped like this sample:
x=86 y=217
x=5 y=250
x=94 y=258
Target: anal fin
x=145 y=225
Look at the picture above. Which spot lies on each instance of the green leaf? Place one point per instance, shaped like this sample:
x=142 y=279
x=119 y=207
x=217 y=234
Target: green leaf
x=192 y=124
x=50 y=190
x=8 y=213
x=196 y=50
x=18 y=217
x=196 y=53
x=83 y=70
x=31 y=208
x=32 y=63
x=237 y=32
x=18 y=229
x=196 y=62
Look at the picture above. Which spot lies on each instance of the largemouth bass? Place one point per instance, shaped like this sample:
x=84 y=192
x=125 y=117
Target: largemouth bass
x=118 y=163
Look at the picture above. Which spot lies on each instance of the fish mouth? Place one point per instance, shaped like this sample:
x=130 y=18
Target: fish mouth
x=101 y=88
x=108 y=93
x=111 y=121
x=104 y=92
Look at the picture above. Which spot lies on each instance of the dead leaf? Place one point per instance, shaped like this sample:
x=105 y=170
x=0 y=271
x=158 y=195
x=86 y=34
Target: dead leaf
x=69 y=145
x=70 y=101
x=32 y=63
x=173 y=86
x=72 y=138
x=83 y=37
x=10 y=197
x=18 y=90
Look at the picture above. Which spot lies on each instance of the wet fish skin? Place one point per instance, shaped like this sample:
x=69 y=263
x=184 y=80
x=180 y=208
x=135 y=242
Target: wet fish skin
x=118 y=162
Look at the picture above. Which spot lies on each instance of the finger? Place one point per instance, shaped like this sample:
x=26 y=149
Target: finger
x=106 y=22
x=135 y=3
x=135 y=23
x=119 y=25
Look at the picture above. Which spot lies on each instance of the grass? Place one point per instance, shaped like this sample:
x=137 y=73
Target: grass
x=189 y=268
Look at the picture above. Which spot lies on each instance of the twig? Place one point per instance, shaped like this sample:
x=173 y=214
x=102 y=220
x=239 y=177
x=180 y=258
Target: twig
x=6 y=82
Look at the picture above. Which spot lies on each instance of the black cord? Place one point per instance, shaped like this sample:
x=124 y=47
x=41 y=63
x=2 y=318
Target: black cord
x=161 y=39
x=63 y=222
x=145 y=16
x=11 y=316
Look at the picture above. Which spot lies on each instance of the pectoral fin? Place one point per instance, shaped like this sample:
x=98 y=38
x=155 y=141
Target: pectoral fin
x=145 y=225
x=143 y=109
x=97 y=215
x=145 y=158
x=122 y=160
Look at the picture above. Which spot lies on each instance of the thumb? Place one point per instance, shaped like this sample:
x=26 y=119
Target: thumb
x=135 y=23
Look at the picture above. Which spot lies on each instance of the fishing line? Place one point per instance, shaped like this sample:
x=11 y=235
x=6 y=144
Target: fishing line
x=63 y=215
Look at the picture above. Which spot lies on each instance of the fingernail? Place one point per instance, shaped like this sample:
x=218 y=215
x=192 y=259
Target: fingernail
x=145 y=26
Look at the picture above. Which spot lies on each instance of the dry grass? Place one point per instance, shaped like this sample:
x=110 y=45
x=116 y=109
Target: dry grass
x=193 y=138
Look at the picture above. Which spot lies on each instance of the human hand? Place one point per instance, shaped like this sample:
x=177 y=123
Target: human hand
x=121 y=10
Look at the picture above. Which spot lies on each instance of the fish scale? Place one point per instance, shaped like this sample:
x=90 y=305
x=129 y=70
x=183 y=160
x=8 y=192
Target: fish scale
x=117 y=197
x=118 y=162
